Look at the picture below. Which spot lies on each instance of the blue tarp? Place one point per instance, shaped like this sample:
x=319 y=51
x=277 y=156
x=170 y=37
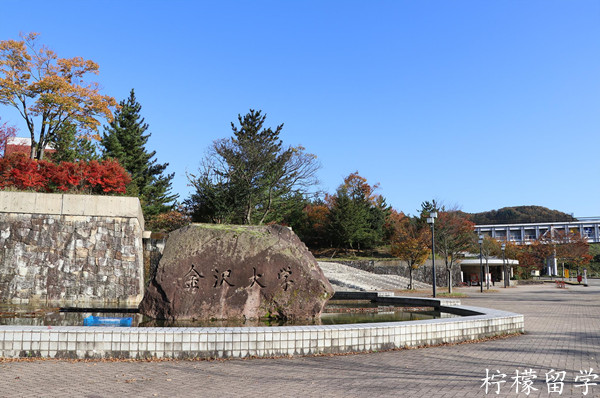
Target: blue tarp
x=106 y=321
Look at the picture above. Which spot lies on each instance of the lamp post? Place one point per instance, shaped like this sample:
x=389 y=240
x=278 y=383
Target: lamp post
x=431 y=222
x=503 y=248
x=480 y=241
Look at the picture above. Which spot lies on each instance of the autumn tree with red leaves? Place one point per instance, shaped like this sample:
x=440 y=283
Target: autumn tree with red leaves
x=568 y=247
x=532 y=257
x=22 y=173
x=313 y=229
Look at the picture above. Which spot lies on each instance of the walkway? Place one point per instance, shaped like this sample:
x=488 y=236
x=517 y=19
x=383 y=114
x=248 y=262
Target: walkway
x=562 y=334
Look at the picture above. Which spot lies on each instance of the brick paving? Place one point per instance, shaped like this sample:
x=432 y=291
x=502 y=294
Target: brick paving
x=562 y=333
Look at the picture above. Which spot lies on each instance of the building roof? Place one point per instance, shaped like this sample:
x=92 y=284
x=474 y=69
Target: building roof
x=21 y=145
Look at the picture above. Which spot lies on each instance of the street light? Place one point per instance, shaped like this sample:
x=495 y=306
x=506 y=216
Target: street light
x=481 y=261
x=431 y=222
x=503 y=248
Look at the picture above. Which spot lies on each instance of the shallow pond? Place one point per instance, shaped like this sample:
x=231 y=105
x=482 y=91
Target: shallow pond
x=335 y=312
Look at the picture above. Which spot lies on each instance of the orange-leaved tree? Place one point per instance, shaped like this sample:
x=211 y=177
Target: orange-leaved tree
x=315 y=229
x=409 y=243
x=49 y=91
x=169 y=221
x=453 y=236
x=358 y=188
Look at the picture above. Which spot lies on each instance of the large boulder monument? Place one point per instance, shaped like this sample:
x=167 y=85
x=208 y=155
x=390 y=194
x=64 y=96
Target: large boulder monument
x=214 y=271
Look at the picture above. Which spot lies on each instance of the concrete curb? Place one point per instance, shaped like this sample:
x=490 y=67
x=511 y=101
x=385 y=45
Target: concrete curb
x=238 y=342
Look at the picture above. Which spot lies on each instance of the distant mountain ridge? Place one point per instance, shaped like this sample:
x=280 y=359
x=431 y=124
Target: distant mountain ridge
x=520 y=214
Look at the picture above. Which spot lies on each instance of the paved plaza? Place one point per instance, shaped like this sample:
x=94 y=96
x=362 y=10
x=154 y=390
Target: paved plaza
x=562 y=334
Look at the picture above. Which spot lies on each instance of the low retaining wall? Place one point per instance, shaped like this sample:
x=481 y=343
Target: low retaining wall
x=238 y=342
x=69 y=249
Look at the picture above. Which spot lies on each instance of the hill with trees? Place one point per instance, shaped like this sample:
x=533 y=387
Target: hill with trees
x=520 y=214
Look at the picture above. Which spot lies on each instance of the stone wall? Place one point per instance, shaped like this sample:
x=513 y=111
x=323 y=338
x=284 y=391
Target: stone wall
x=70 y=249
x=397 y=267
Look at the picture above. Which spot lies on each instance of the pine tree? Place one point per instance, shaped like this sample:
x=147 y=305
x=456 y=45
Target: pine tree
x=357 y=215
x=70 y=147
x=348 y=220
x=250 y=178
x=124 y=140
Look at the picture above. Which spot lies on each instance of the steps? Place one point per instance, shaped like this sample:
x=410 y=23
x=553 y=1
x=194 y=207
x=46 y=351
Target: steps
x=345 y=278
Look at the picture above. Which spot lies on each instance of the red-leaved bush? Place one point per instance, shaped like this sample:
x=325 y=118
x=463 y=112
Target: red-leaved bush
x=20 y=172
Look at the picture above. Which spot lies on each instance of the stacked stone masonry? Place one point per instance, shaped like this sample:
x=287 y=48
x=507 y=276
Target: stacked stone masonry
x=69 y=259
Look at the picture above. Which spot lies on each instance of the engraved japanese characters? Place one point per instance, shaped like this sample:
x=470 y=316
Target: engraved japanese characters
x=225 y=272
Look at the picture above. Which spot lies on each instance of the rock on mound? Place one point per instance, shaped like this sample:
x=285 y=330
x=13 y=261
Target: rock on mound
x=212 y=271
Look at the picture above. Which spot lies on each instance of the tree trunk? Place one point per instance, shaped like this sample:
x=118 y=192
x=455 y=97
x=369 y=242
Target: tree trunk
x=268 y=207
x=33 y=151
x=449 y=271
x=410 y=284
x=249 y=212
x=40 y=152
x=30 y=127
x=487 y=273
x=42 y=142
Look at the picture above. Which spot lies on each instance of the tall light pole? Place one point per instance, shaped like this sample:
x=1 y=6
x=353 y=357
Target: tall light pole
x=503 y=248
x=481 y=261
x=431 y=222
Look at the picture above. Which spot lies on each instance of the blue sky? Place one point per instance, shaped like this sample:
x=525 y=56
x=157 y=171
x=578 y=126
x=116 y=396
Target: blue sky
x=479 y=104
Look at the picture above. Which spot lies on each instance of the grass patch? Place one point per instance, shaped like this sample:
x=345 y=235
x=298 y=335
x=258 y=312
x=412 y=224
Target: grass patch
x=413 y=292
x=453 y=294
